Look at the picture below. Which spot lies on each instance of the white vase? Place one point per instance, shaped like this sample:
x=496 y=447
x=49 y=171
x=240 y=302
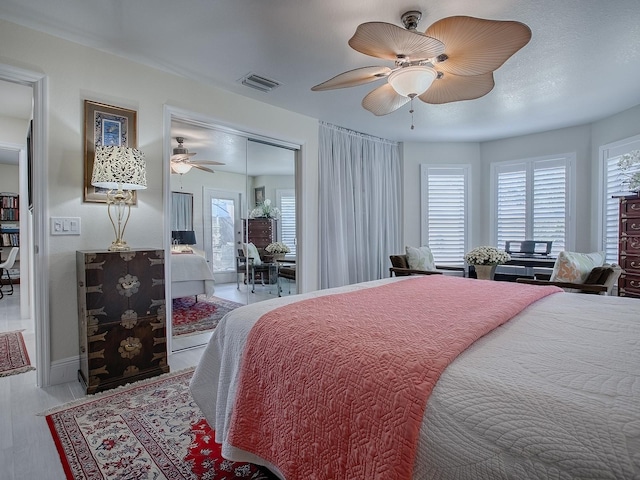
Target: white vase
x=485 y=272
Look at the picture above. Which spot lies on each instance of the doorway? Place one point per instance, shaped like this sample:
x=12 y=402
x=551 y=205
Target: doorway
x=34 y=192
x=221 y=212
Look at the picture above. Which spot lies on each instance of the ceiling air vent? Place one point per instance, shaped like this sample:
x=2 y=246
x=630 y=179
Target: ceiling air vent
x=259 y=82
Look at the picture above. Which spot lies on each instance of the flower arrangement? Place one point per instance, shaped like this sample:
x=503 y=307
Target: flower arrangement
x=486 y=256
x=265 y=210
x=277 y=247
x=629 y=164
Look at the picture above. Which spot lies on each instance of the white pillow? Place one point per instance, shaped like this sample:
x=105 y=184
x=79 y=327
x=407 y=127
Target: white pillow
x=251 y=251
x=575 y=267
x=420 y=258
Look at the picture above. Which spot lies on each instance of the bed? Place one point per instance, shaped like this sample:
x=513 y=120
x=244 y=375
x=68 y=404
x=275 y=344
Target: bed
x=552 y=393
x=190 y=275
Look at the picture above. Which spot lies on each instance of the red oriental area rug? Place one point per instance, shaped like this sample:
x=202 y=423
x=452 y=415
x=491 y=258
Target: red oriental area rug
x=149 y=429
x=190 y=317
x=14 y=358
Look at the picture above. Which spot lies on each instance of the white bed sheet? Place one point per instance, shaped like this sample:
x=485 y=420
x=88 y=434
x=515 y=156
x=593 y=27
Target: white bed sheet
x=190 y=275
x=552 y=394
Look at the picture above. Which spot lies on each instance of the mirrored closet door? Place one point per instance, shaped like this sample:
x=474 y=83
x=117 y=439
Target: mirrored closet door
x=232 y=196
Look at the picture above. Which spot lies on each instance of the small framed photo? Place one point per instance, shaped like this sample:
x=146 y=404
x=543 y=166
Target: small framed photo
x=105 y=125
x=258 y=196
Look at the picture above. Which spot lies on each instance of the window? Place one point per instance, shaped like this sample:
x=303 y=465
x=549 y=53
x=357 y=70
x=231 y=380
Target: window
x=611 y=188
x=445 y=223
x=287 y=201
x=531 y=201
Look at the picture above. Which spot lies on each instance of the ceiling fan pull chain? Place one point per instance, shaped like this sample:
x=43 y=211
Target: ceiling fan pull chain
x=411 y=110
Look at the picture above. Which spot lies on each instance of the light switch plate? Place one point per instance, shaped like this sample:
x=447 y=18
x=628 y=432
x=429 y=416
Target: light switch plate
x=65 y=225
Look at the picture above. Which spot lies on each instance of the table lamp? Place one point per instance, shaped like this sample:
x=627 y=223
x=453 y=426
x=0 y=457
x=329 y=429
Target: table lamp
x=120 y=170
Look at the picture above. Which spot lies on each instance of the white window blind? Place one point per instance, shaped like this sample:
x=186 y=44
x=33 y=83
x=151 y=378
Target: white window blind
x=287 y=231
x=532 y=201
x=444 y=193
x=613 y=187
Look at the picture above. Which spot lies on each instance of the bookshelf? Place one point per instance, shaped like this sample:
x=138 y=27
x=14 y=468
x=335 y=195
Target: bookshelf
x=9 y=220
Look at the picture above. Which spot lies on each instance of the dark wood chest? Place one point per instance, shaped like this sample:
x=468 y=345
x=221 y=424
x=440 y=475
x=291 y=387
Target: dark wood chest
x=122 y=317
x=629 y=247
x=261 y=232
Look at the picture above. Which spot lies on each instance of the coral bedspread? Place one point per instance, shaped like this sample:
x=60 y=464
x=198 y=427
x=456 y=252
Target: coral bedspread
x=311 y=383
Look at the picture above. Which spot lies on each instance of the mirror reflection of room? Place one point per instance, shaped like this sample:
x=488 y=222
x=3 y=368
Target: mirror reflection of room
x=238 y=215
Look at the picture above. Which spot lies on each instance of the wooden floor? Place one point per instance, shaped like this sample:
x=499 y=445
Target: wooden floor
x=27 y=450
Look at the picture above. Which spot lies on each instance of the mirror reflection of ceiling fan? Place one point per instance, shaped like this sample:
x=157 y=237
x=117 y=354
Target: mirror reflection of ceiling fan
x=453 y=60
x=181 y=160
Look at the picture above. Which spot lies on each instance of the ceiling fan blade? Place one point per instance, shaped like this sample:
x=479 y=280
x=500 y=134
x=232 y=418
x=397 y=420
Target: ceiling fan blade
x=454 y=88
x=205 y=162
x=388 y=41
x=383 y=100
x=181 y=156
x=475 y=46
x=199 y=167
x=352 y=78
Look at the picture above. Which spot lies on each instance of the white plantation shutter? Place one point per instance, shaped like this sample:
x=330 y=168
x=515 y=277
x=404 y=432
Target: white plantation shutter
x=550 y=203
x=531 y=201
x=612 y=188
x=444 y=193
x=287 y=227
x=511 y=206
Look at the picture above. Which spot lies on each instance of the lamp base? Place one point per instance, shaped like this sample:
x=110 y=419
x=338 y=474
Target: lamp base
x=119 y=246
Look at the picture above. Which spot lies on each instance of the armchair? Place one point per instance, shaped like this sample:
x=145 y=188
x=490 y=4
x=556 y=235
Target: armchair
x=400 y=267
x=600 y=281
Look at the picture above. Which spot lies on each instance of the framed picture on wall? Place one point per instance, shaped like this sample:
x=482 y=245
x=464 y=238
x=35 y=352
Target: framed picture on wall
x=258 y=196
x=105 y=125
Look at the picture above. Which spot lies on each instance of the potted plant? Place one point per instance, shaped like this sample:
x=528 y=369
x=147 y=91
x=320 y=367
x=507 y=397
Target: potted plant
x=277 y=249
x=485 y=259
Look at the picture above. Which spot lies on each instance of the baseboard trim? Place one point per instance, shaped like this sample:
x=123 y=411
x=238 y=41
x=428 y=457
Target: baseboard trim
x=64 y=371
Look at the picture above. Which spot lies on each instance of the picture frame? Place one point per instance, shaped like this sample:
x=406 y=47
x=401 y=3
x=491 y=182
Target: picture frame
x=258 y=196
x=105 y=125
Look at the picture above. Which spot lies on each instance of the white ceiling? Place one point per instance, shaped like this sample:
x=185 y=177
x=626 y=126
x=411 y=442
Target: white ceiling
x=582 y=64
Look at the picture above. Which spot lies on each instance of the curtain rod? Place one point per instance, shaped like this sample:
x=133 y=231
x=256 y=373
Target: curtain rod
x=358 y=134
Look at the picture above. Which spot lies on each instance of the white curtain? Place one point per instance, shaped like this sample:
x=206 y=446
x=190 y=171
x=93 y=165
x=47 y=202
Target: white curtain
x=360 y=206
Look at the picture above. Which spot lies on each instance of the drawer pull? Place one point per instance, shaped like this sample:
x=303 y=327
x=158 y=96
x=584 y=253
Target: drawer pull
x=634 y=226
x=634 y=284
x=634 y=264
x=634 y=206
x=131 y=284
x=635 y=243
x=130 y=347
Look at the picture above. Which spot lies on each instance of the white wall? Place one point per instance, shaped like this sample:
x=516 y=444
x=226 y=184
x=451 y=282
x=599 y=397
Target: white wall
x=271 y=183
x=9 y=178
x=77 y=73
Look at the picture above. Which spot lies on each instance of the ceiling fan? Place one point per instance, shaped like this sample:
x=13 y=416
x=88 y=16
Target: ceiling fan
x=453 y=60
x=181 y=160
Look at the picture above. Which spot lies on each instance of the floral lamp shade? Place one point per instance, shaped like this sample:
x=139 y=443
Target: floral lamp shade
x=122 y=168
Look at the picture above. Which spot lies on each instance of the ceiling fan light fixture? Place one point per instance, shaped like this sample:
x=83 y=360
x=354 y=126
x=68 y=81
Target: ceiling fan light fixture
x=412 y=81
x=181 y=167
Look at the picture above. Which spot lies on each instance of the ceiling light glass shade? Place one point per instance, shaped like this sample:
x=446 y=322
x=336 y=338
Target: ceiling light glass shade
x=181 y=167
x=412 y=81
x=121 y=168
